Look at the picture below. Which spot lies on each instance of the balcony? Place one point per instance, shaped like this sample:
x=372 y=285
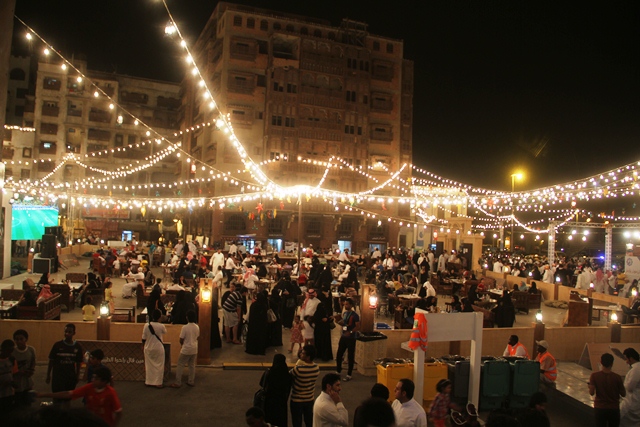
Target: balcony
x=74 y=113
x=241 y=88
x=377 y=136
x=130 y=153
x=46 y=166
x=50 y=83
x=99 y=116
x=48 y=129
x=29 y=107
x=50 y=111
x=243 y=51
x=138 y=98
x=99 y=135
x=7 y=153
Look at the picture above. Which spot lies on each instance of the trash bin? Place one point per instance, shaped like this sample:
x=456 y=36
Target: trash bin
x=389 y=373
x=495 y=382
x=369 y=347
x=433 y=373
x=459 y=376
x=525 y=379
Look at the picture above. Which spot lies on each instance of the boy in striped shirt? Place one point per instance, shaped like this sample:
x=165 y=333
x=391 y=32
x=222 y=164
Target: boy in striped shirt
x=304 y=375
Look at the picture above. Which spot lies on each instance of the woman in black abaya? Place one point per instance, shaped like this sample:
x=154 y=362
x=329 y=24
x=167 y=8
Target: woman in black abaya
x=277 y=384
x=258 y=326
x=322 y=333
x=289 y=292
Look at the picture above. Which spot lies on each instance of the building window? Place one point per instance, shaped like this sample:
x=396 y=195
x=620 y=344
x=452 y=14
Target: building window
x=259 y=115
x=131 y=139
x=314 y=228
x=235 y=224
x=19 y=111
x=119 y=141
x=351 y=96
x=277 y=87
x=237 y=21
x=376 y=46
x=304 y=31
x=263 y=47
x=276 y=120
x=290 y=28
x=332 y=35
x=289 y=122
x=317 y=33
x=291 y=88
x=251 y=23
x=275 y=226
x=277 y=26
x=17 y=74
x=389 y=48
x=264 y=25
x=21 y=93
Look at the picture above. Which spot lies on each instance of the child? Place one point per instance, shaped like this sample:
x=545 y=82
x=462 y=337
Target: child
x=101 y=398
x=296 y=333
x=307 y=332
x=440 y=406
x=95 y=362
x=108 y=294
x=8 y=368
x=88 y=311
x=25 y=356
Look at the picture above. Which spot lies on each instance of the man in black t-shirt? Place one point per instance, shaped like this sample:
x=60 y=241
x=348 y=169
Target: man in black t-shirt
x=65 y=358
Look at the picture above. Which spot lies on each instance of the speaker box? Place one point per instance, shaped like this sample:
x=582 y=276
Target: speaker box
x=49 y=246
x=44 y=265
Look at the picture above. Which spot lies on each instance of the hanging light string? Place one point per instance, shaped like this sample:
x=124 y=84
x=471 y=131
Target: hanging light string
x=223 y=122
x=136 y=120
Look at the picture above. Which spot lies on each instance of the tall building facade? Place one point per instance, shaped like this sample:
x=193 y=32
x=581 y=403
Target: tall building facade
x=298 y=91
x=63 y=113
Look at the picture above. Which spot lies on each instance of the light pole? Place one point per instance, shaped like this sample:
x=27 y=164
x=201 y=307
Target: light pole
x=514 y=176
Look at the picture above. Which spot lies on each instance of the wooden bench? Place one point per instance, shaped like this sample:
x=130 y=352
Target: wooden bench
x=524 y=301
x=124 y=315
x=488 y=317
x=15 y=294
x=68 y=301
x=80 y=278
x=48 y=309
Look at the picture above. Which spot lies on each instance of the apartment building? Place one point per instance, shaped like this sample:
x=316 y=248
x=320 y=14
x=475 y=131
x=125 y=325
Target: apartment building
x=298 y=90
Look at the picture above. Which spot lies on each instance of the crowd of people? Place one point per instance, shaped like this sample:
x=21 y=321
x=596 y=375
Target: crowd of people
x=575 y=272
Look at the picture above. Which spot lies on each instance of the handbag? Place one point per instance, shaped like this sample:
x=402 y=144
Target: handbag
x=271 y=316
x=260 y=396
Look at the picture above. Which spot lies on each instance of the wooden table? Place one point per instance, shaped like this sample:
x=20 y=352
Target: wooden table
x=8 y=309
x=607 y=309
x=410 y=300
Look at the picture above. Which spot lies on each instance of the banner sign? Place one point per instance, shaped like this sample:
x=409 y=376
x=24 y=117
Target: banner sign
x=126 y=359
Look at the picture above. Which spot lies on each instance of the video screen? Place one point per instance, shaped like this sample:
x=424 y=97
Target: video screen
x=28 y=221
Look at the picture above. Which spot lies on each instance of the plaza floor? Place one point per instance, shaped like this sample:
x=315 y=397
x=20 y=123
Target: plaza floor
x=224 y=395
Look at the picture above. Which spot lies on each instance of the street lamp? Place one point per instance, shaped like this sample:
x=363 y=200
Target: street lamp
x=494 y=239
x=514 y=176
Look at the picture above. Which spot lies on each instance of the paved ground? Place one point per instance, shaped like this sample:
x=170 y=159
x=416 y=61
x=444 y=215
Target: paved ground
x=221 y=397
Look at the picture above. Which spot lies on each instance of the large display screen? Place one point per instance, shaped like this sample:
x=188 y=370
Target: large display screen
x=28 y=221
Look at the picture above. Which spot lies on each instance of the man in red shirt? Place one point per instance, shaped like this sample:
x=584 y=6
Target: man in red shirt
x=101 y=398
x=608 y=387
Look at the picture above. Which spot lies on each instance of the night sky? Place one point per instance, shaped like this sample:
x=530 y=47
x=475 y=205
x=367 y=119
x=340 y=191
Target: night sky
x=551 y=88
